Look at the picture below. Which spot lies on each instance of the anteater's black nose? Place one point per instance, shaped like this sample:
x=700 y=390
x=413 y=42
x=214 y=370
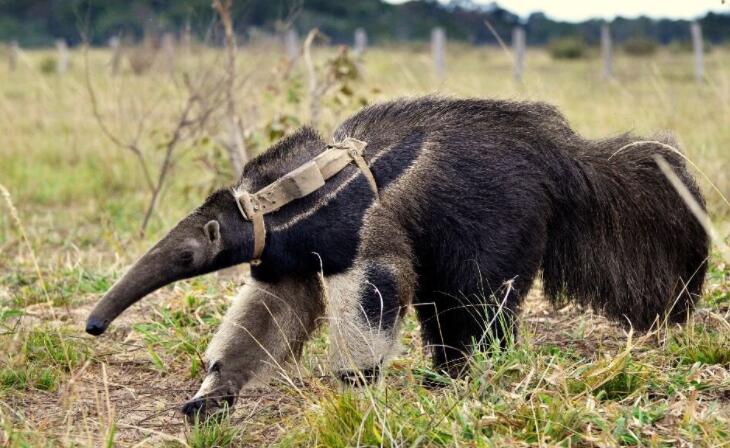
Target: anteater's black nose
x=96 y=326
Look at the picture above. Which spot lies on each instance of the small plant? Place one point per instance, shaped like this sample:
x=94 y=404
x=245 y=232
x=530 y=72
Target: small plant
x=141 y=59
x=346 y=421
x=52 y=347
x=694 y=343
x=615 y=379
x=48 y=65
x=718 y=286
x=44 y=356
x=28 y=377
x=685 y=46
x=547 y=417
x=568 y=48
x=640 y=46
x=214 y=432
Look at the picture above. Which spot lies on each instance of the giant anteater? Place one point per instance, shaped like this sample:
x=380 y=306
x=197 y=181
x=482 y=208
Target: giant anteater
x=475 y=198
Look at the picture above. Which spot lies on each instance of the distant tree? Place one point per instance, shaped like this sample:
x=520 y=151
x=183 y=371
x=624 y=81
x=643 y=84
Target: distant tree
x=567 y=48
x=639 y=46
x=40 y=22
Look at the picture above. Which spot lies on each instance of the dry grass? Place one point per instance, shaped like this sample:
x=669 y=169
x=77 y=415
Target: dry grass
x=572 y=378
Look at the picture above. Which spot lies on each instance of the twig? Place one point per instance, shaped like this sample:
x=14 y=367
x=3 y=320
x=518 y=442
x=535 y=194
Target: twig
x=170 y=146
x=317 y=89
x=236 y=146
x=131 y=146
x=694 y=207
x=203 y=98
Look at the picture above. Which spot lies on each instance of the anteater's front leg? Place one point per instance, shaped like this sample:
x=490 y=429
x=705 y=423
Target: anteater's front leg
x=366 y=303
x=266 y=325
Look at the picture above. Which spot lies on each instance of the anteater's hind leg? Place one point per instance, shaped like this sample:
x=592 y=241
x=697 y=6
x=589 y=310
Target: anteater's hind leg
x=468 y=305
x=366 y=302
x=266 y=325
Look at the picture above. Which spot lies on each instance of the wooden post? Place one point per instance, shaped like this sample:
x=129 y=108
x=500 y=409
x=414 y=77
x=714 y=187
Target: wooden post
x=518 y=48
x=115 y=43
x=167 y=44
x=291 y=42
x=13 y=55
x=186 y=39
x=361 y=41
x=699 y=49
x=606 y=51
x=438 y=44
x=63 y=57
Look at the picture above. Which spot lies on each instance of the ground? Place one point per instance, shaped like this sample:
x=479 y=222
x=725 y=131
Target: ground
x=73 y=202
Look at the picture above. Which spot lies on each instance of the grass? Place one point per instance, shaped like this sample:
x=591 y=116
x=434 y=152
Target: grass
x=516 y=397
x=697 y=344
x=570 y=379
x=39 y=357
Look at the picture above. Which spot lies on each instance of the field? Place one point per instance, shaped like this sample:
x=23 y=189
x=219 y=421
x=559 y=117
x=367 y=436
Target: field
x=73 y=201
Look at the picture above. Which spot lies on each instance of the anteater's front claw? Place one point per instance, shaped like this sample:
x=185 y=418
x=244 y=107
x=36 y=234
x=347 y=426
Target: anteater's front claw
x=200 y=409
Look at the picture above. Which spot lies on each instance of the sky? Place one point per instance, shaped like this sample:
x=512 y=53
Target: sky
x=578 y=10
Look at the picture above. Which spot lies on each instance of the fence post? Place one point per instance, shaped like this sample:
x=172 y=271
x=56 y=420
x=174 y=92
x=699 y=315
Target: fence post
x=606 y=51
x=438 y=44
x=13 y=55
x=361 y=41
x=167 y=45
x=115 y=43
x=291 y=41
x=186 y=39
x=518 y=47
x=699 y=49
x=63 y=56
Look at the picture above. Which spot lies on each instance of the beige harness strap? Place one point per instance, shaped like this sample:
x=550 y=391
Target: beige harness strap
x=259 y=228
x=298 y=183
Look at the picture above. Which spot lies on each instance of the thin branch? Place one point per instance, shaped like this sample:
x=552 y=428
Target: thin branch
x=170 y=146
x=236 y=146
x=317 y=89
x=132 y=146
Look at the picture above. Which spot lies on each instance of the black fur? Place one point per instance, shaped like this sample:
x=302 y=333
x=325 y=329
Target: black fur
x=504 y=190
x=331 y=237
x=380 y=304
x=512 y=189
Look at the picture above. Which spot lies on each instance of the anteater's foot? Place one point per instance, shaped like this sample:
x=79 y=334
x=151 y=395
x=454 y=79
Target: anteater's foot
x=200 y=409
x=359 y=378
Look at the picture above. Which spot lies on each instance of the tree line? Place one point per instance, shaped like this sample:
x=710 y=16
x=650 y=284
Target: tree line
x=41 y=22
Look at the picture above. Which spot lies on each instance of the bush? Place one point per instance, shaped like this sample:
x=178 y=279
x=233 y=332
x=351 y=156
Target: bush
x=685 y=46
x=48 y=65
x=141 y=59
x=567 y=48
x=640 y=46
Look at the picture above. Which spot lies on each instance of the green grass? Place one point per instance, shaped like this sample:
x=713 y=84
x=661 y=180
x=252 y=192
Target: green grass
x=214 y=433
x=572 y=380
x=43 y=357
x=698 y=344
x=28 y=289
x=521 y=397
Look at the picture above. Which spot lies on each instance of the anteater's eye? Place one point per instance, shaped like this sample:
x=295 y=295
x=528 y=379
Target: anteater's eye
x=186 y=257
x=215 y=367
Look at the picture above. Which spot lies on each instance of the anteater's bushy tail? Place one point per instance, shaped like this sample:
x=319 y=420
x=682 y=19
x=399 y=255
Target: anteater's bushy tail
x=621 y=239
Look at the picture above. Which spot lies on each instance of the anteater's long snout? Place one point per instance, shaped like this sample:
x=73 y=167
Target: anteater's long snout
x=95 y=326
x=147 y=275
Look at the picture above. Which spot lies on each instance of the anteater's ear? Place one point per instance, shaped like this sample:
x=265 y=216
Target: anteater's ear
x=212 y=230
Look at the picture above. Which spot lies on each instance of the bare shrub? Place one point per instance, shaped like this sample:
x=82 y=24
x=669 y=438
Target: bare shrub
x=568 y=48
x=640 y=46
x=141 y=58
x=48 y=65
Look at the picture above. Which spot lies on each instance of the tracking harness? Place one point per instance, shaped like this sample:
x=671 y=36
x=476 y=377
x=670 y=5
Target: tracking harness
x=297 y=184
